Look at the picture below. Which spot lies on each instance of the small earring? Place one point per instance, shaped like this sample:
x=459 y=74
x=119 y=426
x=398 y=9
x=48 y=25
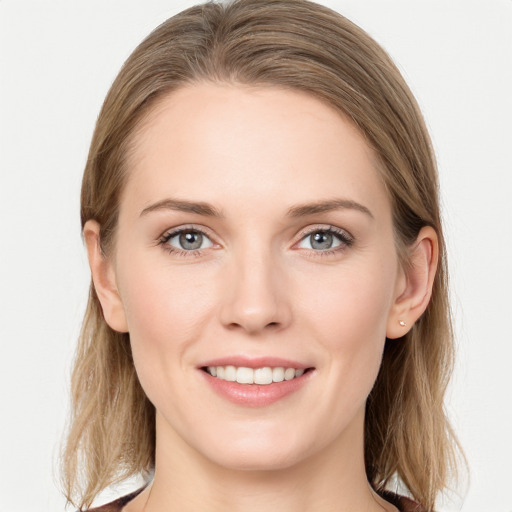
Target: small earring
x=402 y=323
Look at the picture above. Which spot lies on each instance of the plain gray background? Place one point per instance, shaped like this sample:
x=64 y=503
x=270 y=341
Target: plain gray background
x=57 y=60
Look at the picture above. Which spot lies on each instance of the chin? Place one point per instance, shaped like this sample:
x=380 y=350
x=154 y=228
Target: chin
x=256 y=460
x=256 y=453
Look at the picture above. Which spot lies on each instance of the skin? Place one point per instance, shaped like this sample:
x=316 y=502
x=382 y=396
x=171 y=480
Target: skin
x=257 y=287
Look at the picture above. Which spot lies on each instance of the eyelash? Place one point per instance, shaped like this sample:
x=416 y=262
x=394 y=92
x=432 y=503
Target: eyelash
x=181 y=252
x=346 y=240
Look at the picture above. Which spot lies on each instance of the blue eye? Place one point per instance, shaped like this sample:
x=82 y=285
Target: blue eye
x=187 y=240
x=325 y=240
x=191 y=241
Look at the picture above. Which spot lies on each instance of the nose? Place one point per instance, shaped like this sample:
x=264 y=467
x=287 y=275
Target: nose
x=255 y=296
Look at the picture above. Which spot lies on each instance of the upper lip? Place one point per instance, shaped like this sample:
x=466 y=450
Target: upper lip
x=255 y=362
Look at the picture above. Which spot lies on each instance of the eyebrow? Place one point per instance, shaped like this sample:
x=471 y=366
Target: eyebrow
x=327 y=206
x=302 y=210
x=183 y=206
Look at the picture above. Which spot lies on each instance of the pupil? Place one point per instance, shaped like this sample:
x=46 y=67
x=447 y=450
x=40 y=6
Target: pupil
x=321 y=240
x=191 y=240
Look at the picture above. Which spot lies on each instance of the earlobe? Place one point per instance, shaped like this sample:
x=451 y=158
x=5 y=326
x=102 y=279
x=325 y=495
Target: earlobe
x=104 y=279
x=413 y=298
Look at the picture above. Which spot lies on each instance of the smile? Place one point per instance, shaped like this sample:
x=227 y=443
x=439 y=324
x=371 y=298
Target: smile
x=256 y=382
x=263 y=376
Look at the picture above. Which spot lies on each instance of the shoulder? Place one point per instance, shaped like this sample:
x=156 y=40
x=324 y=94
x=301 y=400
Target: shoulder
x=117 y=505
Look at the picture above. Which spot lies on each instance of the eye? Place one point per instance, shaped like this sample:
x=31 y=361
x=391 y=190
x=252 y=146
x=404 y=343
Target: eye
x=324 y=240
x=187 y=240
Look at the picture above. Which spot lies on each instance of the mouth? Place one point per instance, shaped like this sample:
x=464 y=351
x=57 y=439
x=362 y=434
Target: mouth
x=256 y=382
x=263 y=376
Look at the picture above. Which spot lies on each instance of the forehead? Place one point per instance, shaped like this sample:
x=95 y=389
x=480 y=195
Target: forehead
x=247 y=146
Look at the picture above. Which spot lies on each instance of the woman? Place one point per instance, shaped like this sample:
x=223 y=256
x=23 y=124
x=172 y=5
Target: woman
x=268 y=321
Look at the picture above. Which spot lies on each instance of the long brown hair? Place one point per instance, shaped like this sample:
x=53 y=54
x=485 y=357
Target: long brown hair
x=293 y=44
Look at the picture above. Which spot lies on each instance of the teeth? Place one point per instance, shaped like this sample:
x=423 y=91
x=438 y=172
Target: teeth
x=278 y=374
x=245 y=375
x=230 y=373
x=289 y=374
x=263 y=376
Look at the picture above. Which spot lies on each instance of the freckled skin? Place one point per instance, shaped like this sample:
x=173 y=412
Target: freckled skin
x=257 y=289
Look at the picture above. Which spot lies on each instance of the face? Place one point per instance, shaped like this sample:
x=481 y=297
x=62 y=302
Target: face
x=255 y=243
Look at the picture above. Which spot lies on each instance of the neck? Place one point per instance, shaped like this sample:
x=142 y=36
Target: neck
x=333 y=479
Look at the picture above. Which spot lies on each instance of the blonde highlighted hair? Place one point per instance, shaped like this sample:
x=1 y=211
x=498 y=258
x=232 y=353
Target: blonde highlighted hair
x=299 y=45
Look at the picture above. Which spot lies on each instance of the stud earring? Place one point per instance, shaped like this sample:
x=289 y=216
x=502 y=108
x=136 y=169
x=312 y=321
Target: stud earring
x=402 y=323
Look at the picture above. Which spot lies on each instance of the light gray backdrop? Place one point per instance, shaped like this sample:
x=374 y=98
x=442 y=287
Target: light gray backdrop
x=57 y=60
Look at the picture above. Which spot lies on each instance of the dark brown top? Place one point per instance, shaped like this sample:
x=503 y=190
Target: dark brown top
x=117 y=505
x=403 y=504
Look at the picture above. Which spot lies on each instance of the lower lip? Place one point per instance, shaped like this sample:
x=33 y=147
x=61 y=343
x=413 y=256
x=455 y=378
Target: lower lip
x=256 y=395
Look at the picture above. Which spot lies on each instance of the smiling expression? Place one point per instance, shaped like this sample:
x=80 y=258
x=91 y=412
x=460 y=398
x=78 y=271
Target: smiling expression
x=255 y=235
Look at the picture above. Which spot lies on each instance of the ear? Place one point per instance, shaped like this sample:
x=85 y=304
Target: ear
x=104 y=279
x=414 y=284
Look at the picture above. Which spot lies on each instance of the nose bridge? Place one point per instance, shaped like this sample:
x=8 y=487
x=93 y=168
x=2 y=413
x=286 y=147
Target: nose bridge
x=255 y=295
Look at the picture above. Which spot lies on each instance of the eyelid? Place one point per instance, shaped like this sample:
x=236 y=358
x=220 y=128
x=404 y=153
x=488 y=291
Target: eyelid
x=170 y=232
x=345 y=237
x=328 y=228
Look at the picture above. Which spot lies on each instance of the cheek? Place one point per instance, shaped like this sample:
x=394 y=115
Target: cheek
x=348 y=317
x=166 y=309
x=349 y=304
